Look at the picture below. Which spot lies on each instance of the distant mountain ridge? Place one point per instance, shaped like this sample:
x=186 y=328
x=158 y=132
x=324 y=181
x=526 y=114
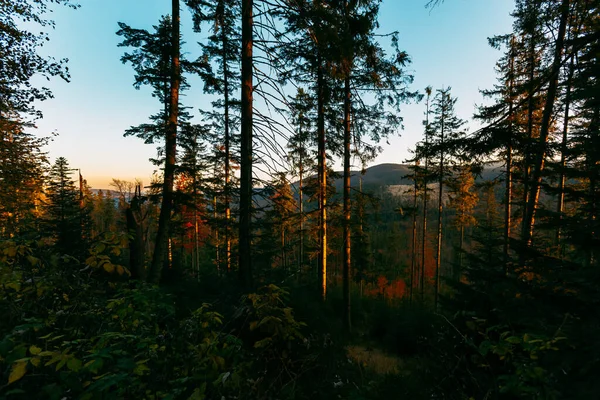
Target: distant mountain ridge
x=390 y=174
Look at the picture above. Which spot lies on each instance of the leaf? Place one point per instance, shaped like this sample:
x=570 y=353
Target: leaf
x=11 y=252
x=74 y=364
x=34 y=350
x=198 y=393
x=262 y=343
x=33 y=261
x=108 y=267
x=35 y=361
x=61 y=363
x=17 y=372
x=484 y=347
x=513 y=340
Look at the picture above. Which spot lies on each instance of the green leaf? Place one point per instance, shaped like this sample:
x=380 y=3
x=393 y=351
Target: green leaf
x=17 y=372
x=484 y=347
x=33 y=261
x=61 y=364
x=74 y=364
x=262 y=343
x=34 y=350
x=100 y=248
x=513 y=340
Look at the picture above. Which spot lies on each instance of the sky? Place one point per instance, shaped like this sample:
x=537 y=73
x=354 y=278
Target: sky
x=448 y=47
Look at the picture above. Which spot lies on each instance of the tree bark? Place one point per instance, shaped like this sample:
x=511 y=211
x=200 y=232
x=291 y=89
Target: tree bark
x=322 y=176
x=227 y=146
x=438 y=261
x=536 y=180
x=245 y=261
x=425 y=198
x=164 y=220
x=347 y=211
x=563 y=157
x=413 y=261
x=509 y=161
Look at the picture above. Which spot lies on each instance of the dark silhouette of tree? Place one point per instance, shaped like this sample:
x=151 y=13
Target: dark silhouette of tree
x=445 y=132
x=245 y=223
x=21 y=62
x=65 y=218
x=223 y=49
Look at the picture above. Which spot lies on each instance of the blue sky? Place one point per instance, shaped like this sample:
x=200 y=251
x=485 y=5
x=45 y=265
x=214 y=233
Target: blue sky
x=448 y=47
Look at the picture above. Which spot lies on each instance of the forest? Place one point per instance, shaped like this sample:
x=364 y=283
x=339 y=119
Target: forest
x=250 y=268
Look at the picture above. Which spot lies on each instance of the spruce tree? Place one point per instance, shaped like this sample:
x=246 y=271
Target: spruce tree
x=445 y=134
x=64 y=217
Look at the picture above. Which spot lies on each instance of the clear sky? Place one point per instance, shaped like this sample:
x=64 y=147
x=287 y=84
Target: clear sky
x=448 y=47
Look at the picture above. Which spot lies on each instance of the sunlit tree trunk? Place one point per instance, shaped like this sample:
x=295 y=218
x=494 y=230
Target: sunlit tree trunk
x=322 y=165
x=227 y=145
x=540 y=153
x=301 y=206
x=347 y=210
x=509 y=162
x=413 y=261
x=438 y=261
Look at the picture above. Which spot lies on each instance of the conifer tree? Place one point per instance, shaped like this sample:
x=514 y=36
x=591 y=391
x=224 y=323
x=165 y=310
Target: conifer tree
x=299 y=155
x=223 y=49
x=22 y=167
x=540 y=148
x=63 y=211
x=445 y=130
x=463 y=199
x=157 y=63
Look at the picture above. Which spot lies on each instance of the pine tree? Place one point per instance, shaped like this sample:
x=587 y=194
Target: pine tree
x=157 y=62
x=22 y=167
x=223 y=49
x=63 y=213
x=463 y=200
x=299 y=155
x=445 y=132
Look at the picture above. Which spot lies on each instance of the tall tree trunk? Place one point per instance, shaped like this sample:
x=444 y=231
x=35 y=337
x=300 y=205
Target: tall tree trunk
x=460 y=252
x=245 y=256
x=161 y=247
x=227 y=146
x=413 y=261
x=438 y=261
x=540 y=156
x=216 y=235
x=322 y=161
x=563 y=157
x=425 y=197
x=530 y=117
x=509 y=162
x=301 y=205
x=347 y=233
